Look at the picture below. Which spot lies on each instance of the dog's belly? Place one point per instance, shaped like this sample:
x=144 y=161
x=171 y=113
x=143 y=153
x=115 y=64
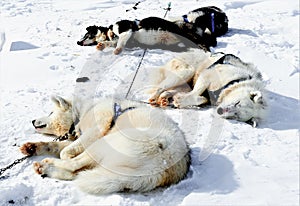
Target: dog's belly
x=153 y=37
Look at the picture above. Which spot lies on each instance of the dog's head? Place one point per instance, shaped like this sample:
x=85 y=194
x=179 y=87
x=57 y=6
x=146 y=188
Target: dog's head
x=247 y=106
x=59 y=121
x=93 y=36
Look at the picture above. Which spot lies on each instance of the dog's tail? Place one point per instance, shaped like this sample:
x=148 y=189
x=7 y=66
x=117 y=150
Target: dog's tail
x=102 y=181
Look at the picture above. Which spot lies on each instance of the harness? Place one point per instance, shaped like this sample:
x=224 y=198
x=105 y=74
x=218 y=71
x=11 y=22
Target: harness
x=214 y=95
x=118 y=112
x=185 y=19
x=212 y=15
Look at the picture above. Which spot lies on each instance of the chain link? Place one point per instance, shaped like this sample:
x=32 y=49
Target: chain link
x=17 y=161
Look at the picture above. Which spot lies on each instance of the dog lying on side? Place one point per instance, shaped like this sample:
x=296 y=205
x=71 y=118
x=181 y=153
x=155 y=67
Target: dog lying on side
x=122 y=146
x=209 y=18
x=150 y=31
x=223 y=80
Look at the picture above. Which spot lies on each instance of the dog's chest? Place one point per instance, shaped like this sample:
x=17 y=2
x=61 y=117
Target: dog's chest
x=153 y=37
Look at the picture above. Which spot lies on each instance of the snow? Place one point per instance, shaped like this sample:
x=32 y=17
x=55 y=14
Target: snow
x=232 y=163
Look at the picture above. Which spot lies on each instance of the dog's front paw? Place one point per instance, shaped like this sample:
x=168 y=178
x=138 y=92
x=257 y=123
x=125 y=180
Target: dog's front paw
x=28 y=148
x=117 y=51
x=100 y=46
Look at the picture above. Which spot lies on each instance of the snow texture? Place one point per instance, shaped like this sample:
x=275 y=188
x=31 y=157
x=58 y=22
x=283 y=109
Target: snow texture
x=232 y=163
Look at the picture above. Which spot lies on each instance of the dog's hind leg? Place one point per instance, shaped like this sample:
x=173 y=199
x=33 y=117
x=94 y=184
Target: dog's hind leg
x=44 y=148
x=123 y=38
x=163 y=99
x=64 y=169
x=103 y=44
x=177 y=73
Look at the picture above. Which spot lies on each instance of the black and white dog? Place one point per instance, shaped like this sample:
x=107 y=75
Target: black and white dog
x=208 y=19
x=150 y=31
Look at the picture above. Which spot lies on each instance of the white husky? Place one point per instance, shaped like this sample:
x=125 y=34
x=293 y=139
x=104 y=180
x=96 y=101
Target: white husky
x=235 y=87
x=122 y=146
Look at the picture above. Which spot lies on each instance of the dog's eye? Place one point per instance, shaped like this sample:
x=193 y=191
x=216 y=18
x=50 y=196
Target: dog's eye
x=237 y=103
x=50 y=114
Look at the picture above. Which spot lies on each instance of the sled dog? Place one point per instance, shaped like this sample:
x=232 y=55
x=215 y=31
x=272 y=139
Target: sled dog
x=206 y=19
x=151 y=31
x=197 y=78
x=121 y=146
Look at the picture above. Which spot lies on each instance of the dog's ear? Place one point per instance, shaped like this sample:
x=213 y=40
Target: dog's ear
x=60 y=102
x=90 y=28
x=256 y=97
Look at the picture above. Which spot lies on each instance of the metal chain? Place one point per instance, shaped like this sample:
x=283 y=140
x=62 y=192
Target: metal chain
x=17 y=161
x=61 y=138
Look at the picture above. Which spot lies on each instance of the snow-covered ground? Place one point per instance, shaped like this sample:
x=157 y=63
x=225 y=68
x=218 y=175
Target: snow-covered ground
x=232 y=163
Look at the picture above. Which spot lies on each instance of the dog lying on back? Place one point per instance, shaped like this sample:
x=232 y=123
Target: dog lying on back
x=151 y=31
x=121 y=146
x=197 y=78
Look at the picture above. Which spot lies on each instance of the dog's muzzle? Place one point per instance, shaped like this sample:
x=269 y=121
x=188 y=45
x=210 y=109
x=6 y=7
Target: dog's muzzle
x=80 y=43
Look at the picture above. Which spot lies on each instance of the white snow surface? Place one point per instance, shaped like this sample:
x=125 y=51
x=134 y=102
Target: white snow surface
x=232 y=163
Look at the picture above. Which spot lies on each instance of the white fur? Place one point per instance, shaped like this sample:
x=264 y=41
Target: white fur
x=242 y=101
x=192 y=16
x=147 y=37
x=153 y=37
x=143 y=150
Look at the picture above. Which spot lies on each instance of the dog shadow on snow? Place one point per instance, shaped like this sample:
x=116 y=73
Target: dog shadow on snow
x=283 y=112
x=213 y=175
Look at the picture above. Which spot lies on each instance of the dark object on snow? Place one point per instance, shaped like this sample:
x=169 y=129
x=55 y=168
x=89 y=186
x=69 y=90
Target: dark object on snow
x=82 y=79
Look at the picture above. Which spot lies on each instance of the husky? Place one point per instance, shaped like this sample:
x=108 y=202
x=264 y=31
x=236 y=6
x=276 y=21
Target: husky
x=208 y=19
x=223 y=80
x=151 y=31
x=121 y=146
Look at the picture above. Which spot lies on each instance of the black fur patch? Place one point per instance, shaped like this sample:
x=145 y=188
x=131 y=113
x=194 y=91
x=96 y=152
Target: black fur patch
x=125 y=25
x=205 y=21
x=91 y=34
x=185 y=30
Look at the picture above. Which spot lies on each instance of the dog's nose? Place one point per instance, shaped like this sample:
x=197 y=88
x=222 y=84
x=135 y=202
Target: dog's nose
x=33 y=121
x=80 y=43
x=220 y=111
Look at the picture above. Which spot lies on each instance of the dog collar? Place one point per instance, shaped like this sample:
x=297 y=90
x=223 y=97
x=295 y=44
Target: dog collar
x=70 y=133
x=118 y=112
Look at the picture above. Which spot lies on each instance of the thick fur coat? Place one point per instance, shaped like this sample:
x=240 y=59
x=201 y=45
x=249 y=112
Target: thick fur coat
x=151 y=31
x=121 y=146
x=196 y=78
